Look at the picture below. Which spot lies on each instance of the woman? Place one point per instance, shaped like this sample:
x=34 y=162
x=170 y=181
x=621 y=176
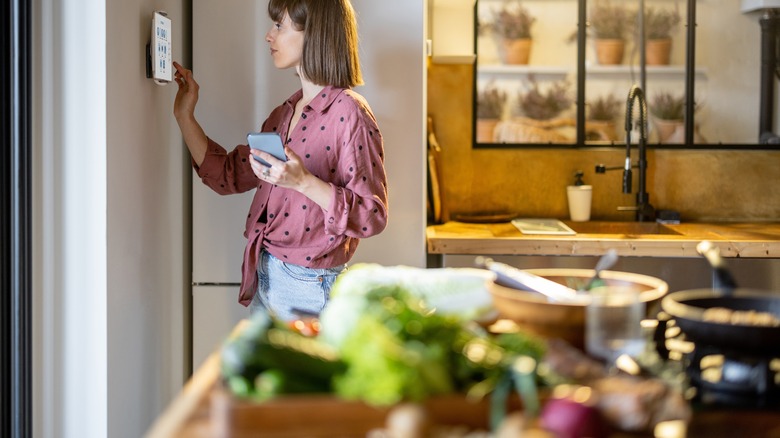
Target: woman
x=309 y=212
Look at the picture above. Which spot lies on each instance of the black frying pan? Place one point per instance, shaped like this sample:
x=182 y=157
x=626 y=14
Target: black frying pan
x=687 y=308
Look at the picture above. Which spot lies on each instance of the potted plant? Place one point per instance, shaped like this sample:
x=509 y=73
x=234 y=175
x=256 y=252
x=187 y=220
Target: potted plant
x=667 y=106
x=659 y=24
x=490 y=107
x=610 y=25
x=601 y=114
x=537 y=115
x=538 y=105
x=668 y=111
x=512 y=25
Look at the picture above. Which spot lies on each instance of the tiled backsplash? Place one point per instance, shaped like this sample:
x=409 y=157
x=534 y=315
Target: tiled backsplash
x=703 y=185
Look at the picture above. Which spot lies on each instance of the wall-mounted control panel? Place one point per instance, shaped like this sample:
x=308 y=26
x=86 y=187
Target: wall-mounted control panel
x=159 y=59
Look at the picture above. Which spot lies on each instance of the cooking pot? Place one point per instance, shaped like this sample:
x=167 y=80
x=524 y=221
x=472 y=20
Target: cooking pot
x=688 y=307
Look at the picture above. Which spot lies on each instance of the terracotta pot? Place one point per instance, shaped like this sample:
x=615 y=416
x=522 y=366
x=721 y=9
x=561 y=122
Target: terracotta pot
x=669 y=131
x=485 y=130
x=658 y=51
x=603 y=129
x=610 y=51
x=516 y=51
x=673 y=132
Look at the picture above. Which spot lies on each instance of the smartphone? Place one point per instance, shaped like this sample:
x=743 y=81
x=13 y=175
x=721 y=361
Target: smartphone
x=269 y=142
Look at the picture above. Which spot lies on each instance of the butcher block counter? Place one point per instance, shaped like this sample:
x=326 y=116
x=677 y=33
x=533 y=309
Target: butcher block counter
x=649 y=239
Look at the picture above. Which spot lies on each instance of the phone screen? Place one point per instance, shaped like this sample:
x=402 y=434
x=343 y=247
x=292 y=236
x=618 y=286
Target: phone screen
x=269 y=142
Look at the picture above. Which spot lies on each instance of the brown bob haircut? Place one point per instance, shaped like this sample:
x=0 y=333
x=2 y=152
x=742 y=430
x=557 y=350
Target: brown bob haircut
x=330 y=39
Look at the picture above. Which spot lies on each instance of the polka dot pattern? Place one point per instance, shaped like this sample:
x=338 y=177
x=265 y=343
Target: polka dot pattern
x=338 y=140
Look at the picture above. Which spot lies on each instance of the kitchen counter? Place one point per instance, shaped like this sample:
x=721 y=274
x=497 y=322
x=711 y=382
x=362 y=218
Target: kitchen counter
x=748 y=240
x=192 y=414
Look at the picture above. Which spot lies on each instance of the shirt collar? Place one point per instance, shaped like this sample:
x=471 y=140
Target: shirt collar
x=321 y=102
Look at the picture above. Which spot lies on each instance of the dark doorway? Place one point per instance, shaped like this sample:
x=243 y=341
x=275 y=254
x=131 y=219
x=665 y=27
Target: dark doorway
x=15 y=221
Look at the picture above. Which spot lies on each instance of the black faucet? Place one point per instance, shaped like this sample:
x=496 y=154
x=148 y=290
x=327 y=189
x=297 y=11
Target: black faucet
x=644 y=211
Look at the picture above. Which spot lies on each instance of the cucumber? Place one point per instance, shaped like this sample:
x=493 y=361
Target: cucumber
x=274 y=382
x=299 y=355
x=268 y=359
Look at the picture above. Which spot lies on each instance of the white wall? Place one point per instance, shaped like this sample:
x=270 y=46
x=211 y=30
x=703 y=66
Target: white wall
x=147 y=220
x=111 y=222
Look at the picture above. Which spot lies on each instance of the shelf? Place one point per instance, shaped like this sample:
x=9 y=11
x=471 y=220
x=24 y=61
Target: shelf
x=578 y=68
x=660 y=70
x=759 y=5
x=454 y=59
x=540 y=70
x=609 y=70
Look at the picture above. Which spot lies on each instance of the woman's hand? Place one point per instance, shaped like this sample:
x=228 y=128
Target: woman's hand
x=187 y=96
x=291 y=174
x=184 y=111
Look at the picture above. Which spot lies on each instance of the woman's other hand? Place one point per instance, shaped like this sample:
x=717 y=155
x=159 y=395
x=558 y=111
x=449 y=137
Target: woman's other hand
x=293 y=175
x=187 y=96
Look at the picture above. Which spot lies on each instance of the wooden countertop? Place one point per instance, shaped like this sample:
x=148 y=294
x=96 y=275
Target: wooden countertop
x=192 y=414
x=749 y=240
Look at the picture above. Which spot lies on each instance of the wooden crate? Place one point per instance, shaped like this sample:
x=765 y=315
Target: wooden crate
x=327 y=416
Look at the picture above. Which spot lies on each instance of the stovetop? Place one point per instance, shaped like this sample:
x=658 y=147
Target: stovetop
x=722 y=377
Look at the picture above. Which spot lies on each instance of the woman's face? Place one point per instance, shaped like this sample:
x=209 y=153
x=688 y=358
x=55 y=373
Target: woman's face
x=286 y=43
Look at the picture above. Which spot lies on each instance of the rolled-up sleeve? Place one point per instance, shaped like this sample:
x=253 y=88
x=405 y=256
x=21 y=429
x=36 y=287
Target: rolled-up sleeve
x=226 y=172
x=359 y=208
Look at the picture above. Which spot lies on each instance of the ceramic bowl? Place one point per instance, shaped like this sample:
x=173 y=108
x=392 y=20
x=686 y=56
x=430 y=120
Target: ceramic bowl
x=533 y=313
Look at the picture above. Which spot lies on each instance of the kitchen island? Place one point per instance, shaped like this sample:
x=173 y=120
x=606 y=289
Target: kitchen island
x=199 y=411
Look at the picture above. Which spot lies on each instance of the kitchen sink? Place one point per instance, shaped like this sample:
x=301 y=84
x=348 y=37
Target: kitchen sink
x=622 y=228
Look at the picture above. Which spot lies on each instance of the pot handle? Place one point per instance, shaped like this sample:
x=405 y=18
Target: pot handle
x=722 y=277
x=659 y=335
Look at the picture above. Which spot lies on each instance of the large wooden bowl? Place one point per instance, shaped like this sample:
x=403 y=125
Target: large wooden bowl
x=533 y=313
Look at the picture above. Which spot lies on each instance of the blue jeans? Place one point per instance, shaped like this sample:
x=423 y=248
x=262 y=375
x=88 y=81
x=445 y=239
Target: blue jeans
x=283 y=287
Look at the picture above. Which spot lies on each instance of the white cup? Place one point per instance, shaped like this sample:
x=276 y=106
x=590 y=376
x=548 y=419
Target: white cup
x=579 y=202
x=613 y=322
